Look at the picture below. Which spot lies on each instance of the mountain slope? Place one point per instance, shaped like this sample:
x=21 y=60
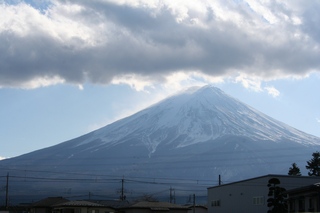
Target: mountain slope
x=197 y=116
x=195 y=135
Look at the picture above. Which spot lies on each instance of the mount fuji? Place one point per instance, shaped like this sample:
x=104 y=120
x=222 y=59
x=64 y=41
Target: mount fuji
x=186 y=141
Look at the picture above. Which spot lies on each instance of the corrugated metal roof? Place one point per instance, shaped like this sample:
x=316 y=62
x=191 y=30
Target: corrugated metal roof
x=81 y=203
x=112 y=203
x=49 y=201
x=157 y=205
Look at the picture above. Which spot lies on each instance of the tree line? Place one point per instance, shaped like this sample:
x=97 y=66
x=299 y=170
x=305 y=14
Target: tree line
x=313 y=165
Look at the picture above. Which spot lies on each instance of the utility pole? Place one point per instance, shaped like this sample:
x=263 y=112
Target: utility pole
x=194 y=203
x=172 y=195
x=219 y=180
x=122 y=196
x=7 y=192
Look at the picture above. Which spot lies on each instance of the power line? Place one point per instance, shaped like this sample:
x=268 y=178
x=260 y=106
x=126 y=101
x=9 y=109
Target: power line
x=98 y=176
x=17 y=178
x=167 y=156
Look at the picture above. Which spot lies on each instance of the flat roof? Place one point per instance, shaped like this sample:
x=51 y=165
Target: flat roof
x=264 y=176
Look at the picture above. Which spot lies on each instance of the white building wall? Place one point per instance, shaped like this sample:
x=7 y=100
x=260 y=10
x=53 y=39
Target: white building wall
x=250 y=195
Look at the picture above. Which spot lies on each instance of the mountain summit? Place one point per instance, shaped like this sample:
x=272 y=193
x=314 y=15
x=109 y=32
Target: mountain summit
x=198 y=134
x=196 y=116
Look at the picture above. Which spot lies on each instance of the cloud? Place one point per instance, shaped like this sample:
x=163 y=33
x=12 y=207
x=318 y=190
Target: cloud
x=140 y=42
x=134 y=81
x=249 y=82
x=272 y=91
x=2 y=158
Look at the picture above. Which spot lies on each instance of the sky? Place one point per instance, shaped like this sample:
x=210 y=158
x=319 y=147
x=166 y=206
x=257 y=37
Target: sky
x=70 y=67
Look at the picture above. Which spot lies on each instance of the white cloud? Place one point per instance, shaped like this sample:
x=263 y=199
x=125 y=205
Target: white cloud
x=80 y=87
x=272 y=91
x=41 y=82
x=2 y=158
x=180 y=80
x=138 y=83
x=252 y=83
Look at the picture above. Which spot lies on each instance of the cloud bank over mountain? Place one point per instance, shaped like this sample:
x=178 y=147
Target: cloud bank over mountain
x=103 y=42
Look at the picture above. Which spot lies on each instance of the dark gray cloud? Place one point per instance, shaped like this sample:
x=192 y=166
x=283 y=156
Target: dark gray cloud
x=96 y=41
x=311 y=18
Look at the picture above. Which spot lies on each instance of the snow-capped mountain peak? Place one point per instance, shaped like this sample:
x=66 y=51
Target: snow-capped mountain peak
x=197 y=115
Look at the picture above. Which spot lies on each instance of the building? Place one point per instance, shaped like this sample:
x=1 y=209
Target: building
x=197 y=209
x=155 y=207
x=46 y=205
x=82 y=206
x=304 y=199
x=250 y=195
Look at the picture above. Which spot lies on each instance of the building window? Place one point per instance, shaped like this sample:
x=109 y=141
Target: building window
x=259 y=200
x=301 y=204
x=292 y=205
x=311 y=205
x=215 y=203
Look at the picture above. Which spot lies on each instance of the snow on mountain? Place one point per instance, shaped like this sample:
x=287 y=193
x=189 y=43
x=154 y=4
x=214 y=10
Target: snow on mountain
x=197 y=116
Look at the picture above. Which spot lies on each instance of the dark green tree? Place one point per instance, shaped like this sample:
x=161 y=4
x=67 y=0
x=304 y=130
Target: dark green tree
x=277 y=197
x=313 y=165
x=294 y=170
